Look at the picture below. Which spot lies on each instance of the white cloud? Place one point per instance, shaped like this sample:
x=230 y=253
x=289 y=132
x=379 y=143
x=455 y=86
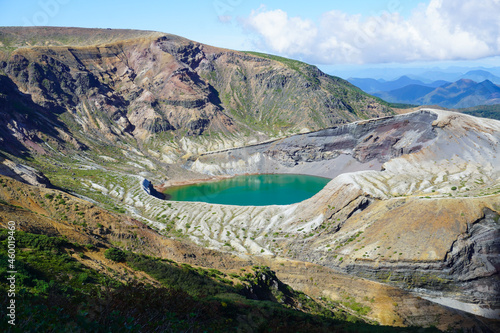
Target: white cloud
x=441 y=30
x=282 y=33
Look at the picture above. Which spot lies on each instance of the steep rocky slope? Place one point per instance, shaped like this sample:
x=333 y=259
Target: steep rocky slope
x=329 y=152
x=88 y=87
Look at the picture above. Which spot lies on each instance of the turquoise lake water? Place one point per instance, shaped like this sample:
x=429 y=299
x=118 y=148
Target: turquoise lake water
x=254 y=190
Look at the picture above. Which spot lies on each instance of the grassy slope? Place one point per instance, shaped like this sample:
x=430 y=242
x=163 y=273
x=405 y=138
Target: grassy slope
x=56 y=292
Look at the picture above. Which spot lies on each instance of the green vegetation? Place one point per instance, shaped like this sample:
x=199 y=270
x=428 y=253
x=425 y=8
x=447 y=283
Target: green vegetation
x=484 y=111
x=357 y=307
x=57 y=293
x=401 y=105
x=114 y=254
x=417 y=280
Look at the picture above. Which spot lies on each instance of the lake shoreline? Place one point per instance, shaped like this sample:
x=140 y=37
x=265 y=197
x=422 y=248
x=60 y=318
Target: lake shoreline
x=176 y=183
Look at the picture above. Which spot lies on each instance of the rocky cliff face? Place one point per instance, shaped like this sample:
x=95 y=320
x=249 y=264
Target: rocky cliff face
x=22 y=173
x=357 y=146
x=104 y=86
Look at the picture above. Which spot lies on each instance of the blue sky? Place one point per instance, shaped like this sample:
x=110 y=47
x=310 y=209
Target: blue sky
x=331 y=34
x=197 y=20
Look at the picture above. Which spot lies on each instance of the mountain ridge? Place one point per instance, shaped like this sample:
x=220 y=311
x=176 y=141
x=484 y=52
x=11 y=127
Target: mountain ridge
x=161 y=83
x=18 y=37
x=463 y=93
x=376 y=86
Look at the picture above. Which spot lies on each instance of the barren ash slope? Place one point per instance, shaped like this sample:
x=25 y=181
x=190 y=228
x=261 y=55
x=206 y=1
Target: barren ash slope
x=413 y=203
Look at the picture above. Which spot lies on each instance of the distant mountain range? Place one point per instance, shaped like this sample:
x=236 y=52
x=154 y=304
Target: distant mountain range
x=375 y=86
x=463 y=93
x=471 y=89
x=427 y=75
x=474 y=75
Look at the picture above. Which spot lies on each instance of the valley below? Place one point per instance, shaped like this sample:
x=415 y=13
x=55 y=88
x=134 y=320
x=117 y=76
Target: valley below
x=92 y=131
